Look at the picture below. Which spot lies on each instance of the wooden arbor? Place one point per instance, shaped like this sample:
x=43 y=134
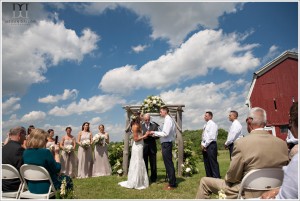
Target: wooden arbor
x=175 y=112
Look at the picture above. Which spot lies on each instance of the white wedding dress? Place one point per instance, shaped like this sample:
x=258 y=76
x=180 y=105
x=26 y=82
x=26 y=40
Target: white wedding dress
x=137 y=174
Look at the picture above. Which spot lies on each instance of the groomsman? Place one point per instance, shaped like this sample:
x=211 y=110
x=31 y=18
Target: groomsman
x=150 y=149
x=235 y=131
x=209 y=146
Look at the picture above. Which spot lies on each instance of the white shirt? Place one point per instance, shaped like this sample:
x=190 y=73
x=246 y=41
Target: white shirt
x=168 y=132
x=235 y=132
x=210 y=133
x=290 y=138
x=289 y=187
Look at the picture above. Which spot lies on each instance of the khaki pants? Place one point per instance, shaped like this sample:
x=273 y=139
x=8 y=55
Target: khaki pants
x=210 y=185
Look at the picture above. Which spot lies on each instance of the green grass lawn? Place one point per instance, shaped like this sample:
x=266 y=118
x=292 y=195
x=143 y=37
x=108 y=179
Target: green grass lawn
x=107 y=187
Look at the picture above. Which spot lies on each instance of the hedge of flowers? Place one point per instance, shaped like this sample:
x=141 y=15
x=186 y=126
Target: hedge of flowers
x=189 y=160
x=116 y=158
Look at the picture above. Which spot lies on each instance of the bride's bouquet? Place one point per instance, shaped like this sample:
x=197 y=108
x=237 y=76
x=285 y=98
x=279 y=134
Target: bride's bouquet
x=85 y=144
x=99 y=139
x=69 y=148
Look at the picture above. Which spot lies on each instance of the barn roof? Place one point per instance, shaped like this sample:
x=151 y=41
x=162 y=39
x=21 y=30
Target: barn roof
x=267 y=67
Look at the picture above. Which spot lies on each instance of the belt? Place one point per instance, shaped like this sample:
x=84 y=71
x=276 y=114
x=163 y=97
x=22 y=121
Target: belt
x=166 y=142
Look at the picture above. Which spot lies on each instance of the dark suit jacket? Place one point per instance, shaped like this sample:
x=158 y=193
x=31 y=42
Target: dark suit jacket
x=151 y=141
x=12 y=154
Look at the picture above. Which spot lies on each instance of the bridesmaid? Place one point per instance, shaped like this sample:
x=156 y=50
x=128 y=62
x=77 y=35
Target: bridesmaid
x=50 y=141
x=85 y=157
x=31 y=127
x=101 y=165
x=68 y=159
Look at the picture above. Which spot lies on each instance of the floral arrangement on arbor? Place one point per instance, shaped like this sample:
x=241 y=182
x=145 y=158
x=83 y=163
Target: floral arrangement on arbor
x=189 y=160
x=152 y=104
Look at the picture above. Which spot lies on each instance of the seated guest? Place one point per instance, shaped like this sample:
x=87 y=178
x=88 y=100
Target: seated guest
x=37 y=154
x=12 y=154
x=289 y=188
x=255 y=151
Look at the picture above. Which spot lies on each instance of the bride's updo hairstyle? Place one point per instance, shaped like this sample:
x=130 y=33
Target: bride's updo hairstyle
x=135 y=119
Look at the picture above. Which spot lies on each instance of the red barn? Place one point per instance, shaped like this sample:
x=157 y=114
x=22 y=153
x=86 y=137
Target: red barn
x=274 y=88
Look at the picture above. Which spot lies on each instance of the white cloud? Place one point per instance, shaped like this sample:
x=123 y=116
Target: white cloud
x=139 y=48
x=204 y=51
x=34 y=116
x=272 y=53
x=12 y=122
x=11 y=105
x=95 y=8
x=28 y=55
x=68 y=94
x=218 y=98
x=98 y=104
x=180 y=17
x=95 y=120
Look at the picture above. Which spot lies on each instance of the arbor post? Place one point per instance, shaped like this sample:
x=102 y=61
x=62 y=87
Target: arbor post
x=126 y=142
x=179 y=140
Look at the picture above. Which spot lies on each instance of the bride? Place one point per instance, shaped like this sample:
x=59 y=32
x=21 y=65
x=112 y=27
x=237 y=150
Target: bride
x=137 y=174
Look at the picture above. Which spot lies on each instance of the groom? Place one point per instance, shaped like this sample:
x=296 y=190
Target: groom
x=150 y=146
x=167 y=136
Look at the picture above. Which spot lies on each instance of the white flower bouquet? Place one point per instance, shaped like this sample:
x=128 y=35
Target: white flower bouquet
x=221 y=194
x=152 y=104
x=85 y=144
x=99 y=139
x=69 y=148
x=187 y=169
x=51 y=147
x=120 y=172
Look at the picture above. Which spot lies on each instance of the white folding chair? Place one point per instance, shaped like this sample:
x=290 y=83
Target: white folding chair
x=35 y=173
x=262 y=179
x=9 y=172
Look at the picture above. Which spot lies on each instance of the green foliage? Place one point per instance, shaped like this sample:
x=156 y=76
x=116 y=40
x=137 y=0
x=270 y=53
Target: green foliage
x=63 y=192
x=70 y=194
x=115 y=150
x=189 y=159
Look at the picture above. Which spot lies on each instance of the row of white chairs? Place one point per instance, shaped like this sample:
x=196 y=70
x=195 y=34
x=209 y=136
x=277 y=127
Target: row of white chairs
x=27 y=173
x=258 y=179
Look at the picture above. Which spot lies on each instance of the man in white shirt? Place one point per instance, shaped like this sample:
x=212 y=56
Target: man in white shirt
x=209 y=146
x=235 y=131
x=167 y=136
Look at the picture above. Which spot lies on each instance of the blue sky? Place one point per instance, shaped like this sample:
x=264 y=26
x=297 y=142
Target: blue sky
x=77 y=62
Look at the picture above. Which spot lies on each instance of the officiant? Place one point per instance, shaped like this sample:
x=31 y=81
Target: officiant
x=150 y=148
